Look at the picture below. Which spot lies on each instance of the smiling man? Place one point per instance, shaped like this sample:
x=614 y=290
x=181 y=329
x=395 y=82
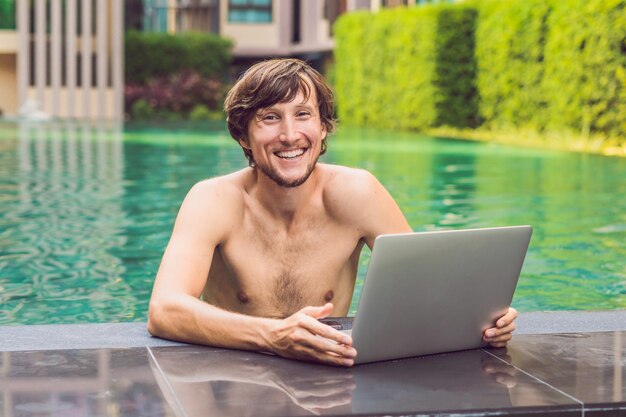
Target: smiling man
x=258 y=256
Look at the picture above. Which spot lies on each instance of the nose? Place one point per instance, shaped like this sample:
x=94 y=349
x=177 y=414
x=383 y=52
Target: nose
x=289 y=131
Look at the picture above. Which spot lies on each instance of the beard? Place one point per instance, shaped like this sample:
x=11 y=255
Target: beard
x=281 y=181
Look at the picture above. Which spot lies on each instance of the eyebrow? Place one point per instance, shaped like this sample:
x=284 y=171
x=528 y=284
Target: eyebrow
x=305 y=105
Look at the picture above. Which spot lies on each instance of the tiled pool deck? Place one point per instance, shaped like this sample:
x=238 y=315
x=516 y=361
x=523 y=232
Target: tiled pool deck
x=559 y=364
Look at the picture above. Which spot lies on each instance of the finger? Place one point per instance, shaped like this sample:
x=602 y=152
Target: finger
x=508 y=318
x=495 y=331
x=323 y=344
x=501 y=338
x=327 y=401
x=312 y=391
x=327 y=358
x=499 y=368
x=327 y=332
x=310 y=336
x=318 y=312
x=507 y=380
x=337 y=379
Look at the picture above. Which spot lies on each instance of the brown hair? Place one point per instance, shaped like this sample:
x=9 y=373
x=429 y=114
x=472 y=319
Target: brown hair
x=275 y=81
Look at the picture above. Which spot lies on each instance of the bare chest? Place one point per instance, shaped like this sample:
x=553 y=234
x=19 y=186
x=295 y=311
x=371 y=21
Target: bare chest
x=269 y=271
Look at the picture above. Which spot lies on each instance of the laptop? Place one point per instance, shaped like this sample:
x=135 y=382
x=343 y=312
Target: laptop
x=435 y=292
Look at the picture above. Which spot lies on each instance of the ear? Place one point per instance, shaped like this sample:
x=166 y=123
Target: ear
x=243 y=143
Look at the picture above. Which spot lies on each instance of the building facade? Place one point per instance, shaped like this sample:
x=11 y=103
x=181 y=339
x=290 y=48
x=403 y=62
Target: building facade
x=62 y=58
x=48 y=65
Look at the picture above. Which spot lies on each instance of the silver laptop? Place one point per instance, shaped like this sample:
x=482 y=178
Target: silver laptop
x=436 y=292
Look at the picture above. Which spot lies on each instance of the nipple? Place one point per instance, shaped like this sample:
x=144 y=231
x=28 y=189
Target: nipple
x=243 y=297
x=329 y=295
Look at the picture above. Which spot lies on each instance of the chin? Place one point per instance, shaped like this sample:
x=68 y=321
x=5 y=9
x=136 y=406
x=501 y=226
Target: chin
x=288 y=181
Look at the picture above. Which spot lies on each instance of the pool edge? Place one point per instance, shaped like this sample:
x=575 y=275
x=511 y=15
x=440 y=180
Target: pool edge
x=134 y=334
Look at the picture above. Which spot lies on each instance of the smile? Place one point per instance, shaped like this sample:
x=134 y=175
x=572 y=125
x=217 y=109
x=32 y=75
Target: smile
x=294 y=153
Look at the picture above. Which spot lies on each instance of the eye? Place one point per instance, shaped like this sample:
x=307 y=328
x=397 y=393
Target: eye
x=269 y=117
x=303 y=113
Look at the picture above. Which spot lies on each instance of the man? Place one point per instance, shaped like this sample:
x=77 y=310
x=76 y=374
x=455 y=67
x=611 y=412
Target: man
x=256 y=257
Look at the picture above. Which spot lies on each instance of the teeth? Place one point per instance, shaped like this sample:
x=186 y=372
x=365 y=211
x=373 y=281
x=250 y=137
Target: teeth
x=290 y=154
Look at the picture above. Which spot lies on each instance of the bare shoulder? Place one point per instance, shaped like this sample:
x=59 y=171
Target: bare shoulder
x=343 y=183
x=214 y=204
x=347 y=190
x=354 y=196
x=226 y=189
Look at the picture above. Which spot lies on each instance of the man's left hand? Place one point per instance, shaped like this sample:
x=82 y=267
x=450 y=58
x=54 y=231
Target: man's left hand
x=499 y=336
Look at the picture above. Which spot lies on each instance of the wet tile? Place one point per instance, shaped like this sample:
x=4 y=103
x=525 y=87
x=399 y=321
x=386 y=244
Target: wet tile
x=588 y=366
x=208 y=381
x=71 y=383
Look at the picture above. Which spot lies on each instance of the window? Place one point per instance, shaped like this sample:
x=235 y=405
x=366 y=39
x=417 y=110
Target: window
x=250 y=11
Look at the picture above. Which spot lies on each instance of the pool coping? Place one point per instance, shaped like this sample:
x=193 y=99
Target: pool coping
x=134 y=334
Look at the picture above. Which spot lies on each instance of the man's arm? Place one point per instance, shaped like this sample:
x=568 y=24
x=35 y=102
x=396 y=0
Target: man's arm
x=209 y=212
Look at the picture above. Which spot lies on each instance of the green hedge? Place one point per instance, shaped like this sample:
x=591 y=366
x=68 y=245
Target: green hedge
x=394 y=69
x=456 y=68
x=510 y=43
x=150 y=55
x=585 y=66
x=556 y=65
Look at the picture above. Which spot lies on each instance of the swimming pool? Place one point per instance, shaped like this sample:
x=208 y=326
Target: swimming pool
x=85 y=212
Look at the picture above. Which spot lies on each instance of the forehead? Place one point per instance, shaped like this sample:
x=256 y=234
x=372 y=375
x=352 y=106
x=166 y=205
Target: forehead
x=305 y=93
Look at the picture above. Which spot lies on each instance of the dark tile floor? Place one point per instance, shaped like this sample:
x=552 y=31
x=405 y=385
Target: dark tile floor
x=553 y=374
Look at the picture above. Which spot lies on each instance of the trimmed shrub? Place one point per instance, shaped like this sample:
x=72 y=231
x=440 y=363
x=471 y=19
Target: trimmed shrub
x=348 y=71
x=150 y=55
x=585 y=66
x=406 y=68
x=177 y=93
x=531 y=65
x=456 y=68
x=510 y=43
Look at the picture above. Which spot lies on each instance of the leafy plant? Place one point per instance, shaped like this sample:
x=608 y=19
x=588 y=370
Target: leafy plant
x=149 y=55
x=177 y=93
x=517 y=65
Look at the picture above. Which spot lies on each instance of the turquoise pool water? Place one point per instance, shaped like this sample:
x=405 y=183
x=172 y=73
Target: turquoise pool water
x=85 y=212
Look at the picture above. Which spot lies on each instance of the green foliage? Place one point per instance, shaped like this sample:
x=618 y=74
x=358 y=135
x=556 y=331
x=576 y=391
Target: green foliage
x=585 y=66
x=525 y=65
x=348 y=72
x=404 y=68
x=510 y=43
x=142 y=110
x=456 y=68
x=150 y=55
x=202 y=113
x=199 y=112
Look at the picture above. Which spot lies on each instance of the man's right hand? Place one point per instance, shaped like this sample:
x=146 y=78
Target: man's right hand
x=301 y=336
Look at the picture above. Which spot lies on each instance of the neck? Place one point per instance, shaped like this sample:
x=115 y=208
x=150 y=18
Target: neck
x=284 y=203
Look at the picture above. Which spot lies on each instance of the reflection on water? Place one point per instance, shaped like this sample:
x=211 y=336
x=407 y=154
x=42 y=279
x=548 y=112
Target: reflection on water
x=61 y=214
x=85 y=212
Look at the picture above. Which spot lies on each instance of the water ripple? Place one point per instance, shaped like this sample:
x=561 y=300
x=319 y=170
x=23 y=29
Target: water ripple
x=85 y=215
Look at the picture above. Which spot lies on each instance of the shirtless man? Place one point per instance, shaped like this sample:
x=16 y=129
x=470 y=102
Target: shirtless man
x=256 y=257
